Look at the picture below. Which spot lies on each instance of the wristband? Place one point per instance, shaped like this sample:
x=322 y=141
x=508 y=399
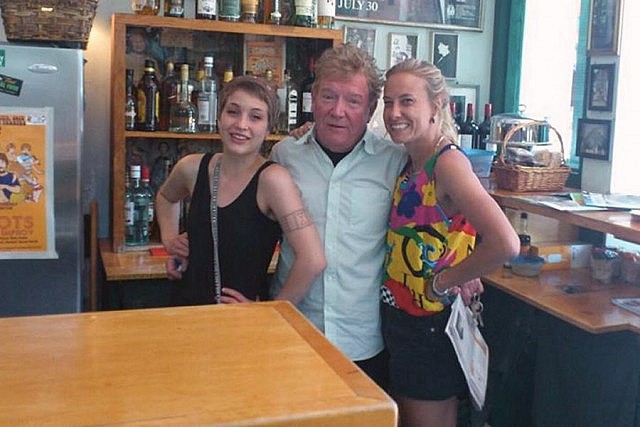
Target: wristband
x=436 y=292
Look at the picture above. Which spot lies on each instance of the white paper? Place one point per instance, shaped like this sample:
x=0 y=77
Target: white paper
x=471 y=349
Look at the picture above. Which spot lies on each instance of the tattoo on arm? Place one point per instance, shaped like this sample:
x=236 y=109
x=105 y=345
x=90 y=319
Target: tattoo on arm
x=295 y=221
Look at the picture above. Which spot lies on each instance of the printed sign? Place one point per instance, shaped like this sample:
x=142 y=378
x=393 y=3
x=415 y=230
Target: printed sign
x=10 y=86
x=27 y=227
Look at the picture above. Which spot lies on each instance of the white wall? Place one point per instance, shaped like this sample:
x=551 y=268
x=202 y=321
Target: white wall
x=474 y=66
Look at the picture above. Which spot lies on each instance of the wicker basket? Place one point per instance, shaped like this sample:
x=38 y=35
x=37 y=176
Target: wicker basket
x=529 y=178
x=65 y=22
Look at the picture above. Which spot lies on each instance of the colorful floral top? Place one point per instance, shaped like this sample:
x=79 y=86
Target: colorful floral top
x=421 y=241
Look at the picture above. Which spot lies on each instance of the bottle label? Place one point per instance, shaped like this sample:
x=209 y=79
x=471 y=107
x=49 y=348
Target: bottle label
x=230 y=9
x=327 y=8
x=128 y=213
x=466 y=142
x=306 y=102
x=304 y=7
x=207 y=7
x=293 y=109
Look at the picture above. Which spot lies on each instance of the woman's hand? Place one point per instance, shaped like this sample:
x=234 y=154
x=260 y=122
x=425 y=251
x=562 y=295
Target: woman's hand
x=231 y=296
x=175 y=266
x=469 y=289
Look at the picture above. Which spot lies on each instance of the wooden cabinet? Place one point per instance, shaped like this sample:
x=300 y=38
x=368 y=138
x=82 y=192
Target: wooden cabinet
x=189 y=36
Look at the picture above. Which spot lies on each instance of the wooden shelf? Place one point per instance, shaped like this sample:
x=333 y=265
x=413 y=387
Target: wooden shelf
x=174 y=135
x=119 y=137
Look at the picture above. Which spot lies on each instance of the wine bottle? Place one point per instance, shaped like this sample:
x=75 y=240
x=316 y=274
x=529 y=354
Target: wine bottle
x=174 y=8
x=484 y=131
x=148 y=99
x=229 y=10
x=208 y=99
x=455 y=119
x=168 y=94
x=469 y=131
x=130 y=103
x=206 y=9
x=304 y=13
x=184 y=115
x=306 y=112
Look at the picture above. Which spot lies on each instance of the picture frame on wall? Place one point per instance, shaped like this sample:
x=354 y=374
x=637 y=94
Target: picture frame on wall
x=463 y=94
x=604 y=27
x=594 y=139
x=601 y=89
x=446 y=14
x=444 y=53
x=402 y=47
x=364 y=38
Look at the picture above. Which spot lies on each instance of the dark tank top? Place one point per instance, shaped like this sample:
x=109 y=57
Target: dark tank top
x=247 y=239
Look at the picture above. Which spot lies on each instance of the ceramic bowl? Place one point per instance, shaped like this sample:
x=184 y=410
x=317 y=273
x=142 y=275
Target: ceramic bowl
x=527 y=265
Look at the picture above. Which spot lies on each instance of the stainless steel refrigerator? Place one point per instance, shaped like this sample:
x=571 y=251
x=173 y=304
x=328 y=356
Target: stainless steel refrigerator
x=50 y=77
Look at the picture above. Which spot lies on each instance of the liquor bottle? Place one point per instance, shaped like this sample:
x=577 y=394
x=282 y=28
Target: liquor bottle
x=229 y=10
x=306 y=113
x=292 y=103
x=228 y=74
x=326 y=13
x=208 y=99
x=523 y=234
x=194 y=86
x=184 y=115
x=130 y=104
x=275 y=16
x=304 y=13
x=206 y=9
x=148 y=99
x=145 y=7
x=136 y=211
x=484 y=131
x=249 y=11
x=146 y=188
x=168 y=95
x=174 y=8
x=469 y=131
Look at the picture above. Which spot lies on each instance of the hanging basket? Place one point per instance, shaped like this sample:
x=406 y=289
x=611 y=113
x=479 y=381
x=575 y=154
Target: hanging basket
x=529 y=178
x=65 y=23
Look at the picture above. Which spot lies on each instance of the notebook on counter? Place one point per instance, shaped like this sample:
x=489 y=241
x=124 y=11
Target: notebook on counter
x=632 y=304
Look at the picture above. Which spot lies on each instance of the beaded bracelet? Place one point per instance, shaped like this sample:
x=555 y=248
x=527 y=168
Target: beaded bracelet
x=436 y=292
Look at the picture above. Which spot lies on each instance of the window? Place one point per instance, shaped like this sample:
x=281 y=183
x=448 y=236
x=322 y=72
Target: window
x=552 y=74
x=626 y=146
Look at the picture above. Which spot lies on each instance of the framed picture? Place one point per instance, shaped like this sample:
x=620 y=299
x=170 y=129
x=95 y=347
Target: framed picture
x=449 y=14
x=604 y=27
x=401 y=47
x=461 y=95
x=364 y=38
x=594 y=139
x=444 y=53
x=601 y=77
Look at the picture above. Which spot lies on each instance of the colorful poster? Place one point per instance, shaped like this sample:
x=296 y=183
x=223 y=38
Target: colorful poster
x=27 y=226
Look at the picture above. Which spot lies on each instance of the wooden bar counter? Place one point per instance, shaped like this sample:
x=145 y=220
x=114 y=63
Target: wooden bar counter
x=232 y=365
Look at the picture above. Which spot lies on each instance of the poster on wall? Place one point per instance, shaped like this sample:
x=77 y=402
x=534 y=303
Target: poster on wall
x=459 y=14
x=27 y=226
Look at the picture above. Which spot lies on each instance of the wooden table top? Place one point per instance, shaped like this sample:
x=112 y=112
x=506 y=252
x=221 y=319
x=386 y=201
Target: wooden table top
x=590 y=308
x=245 y=364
